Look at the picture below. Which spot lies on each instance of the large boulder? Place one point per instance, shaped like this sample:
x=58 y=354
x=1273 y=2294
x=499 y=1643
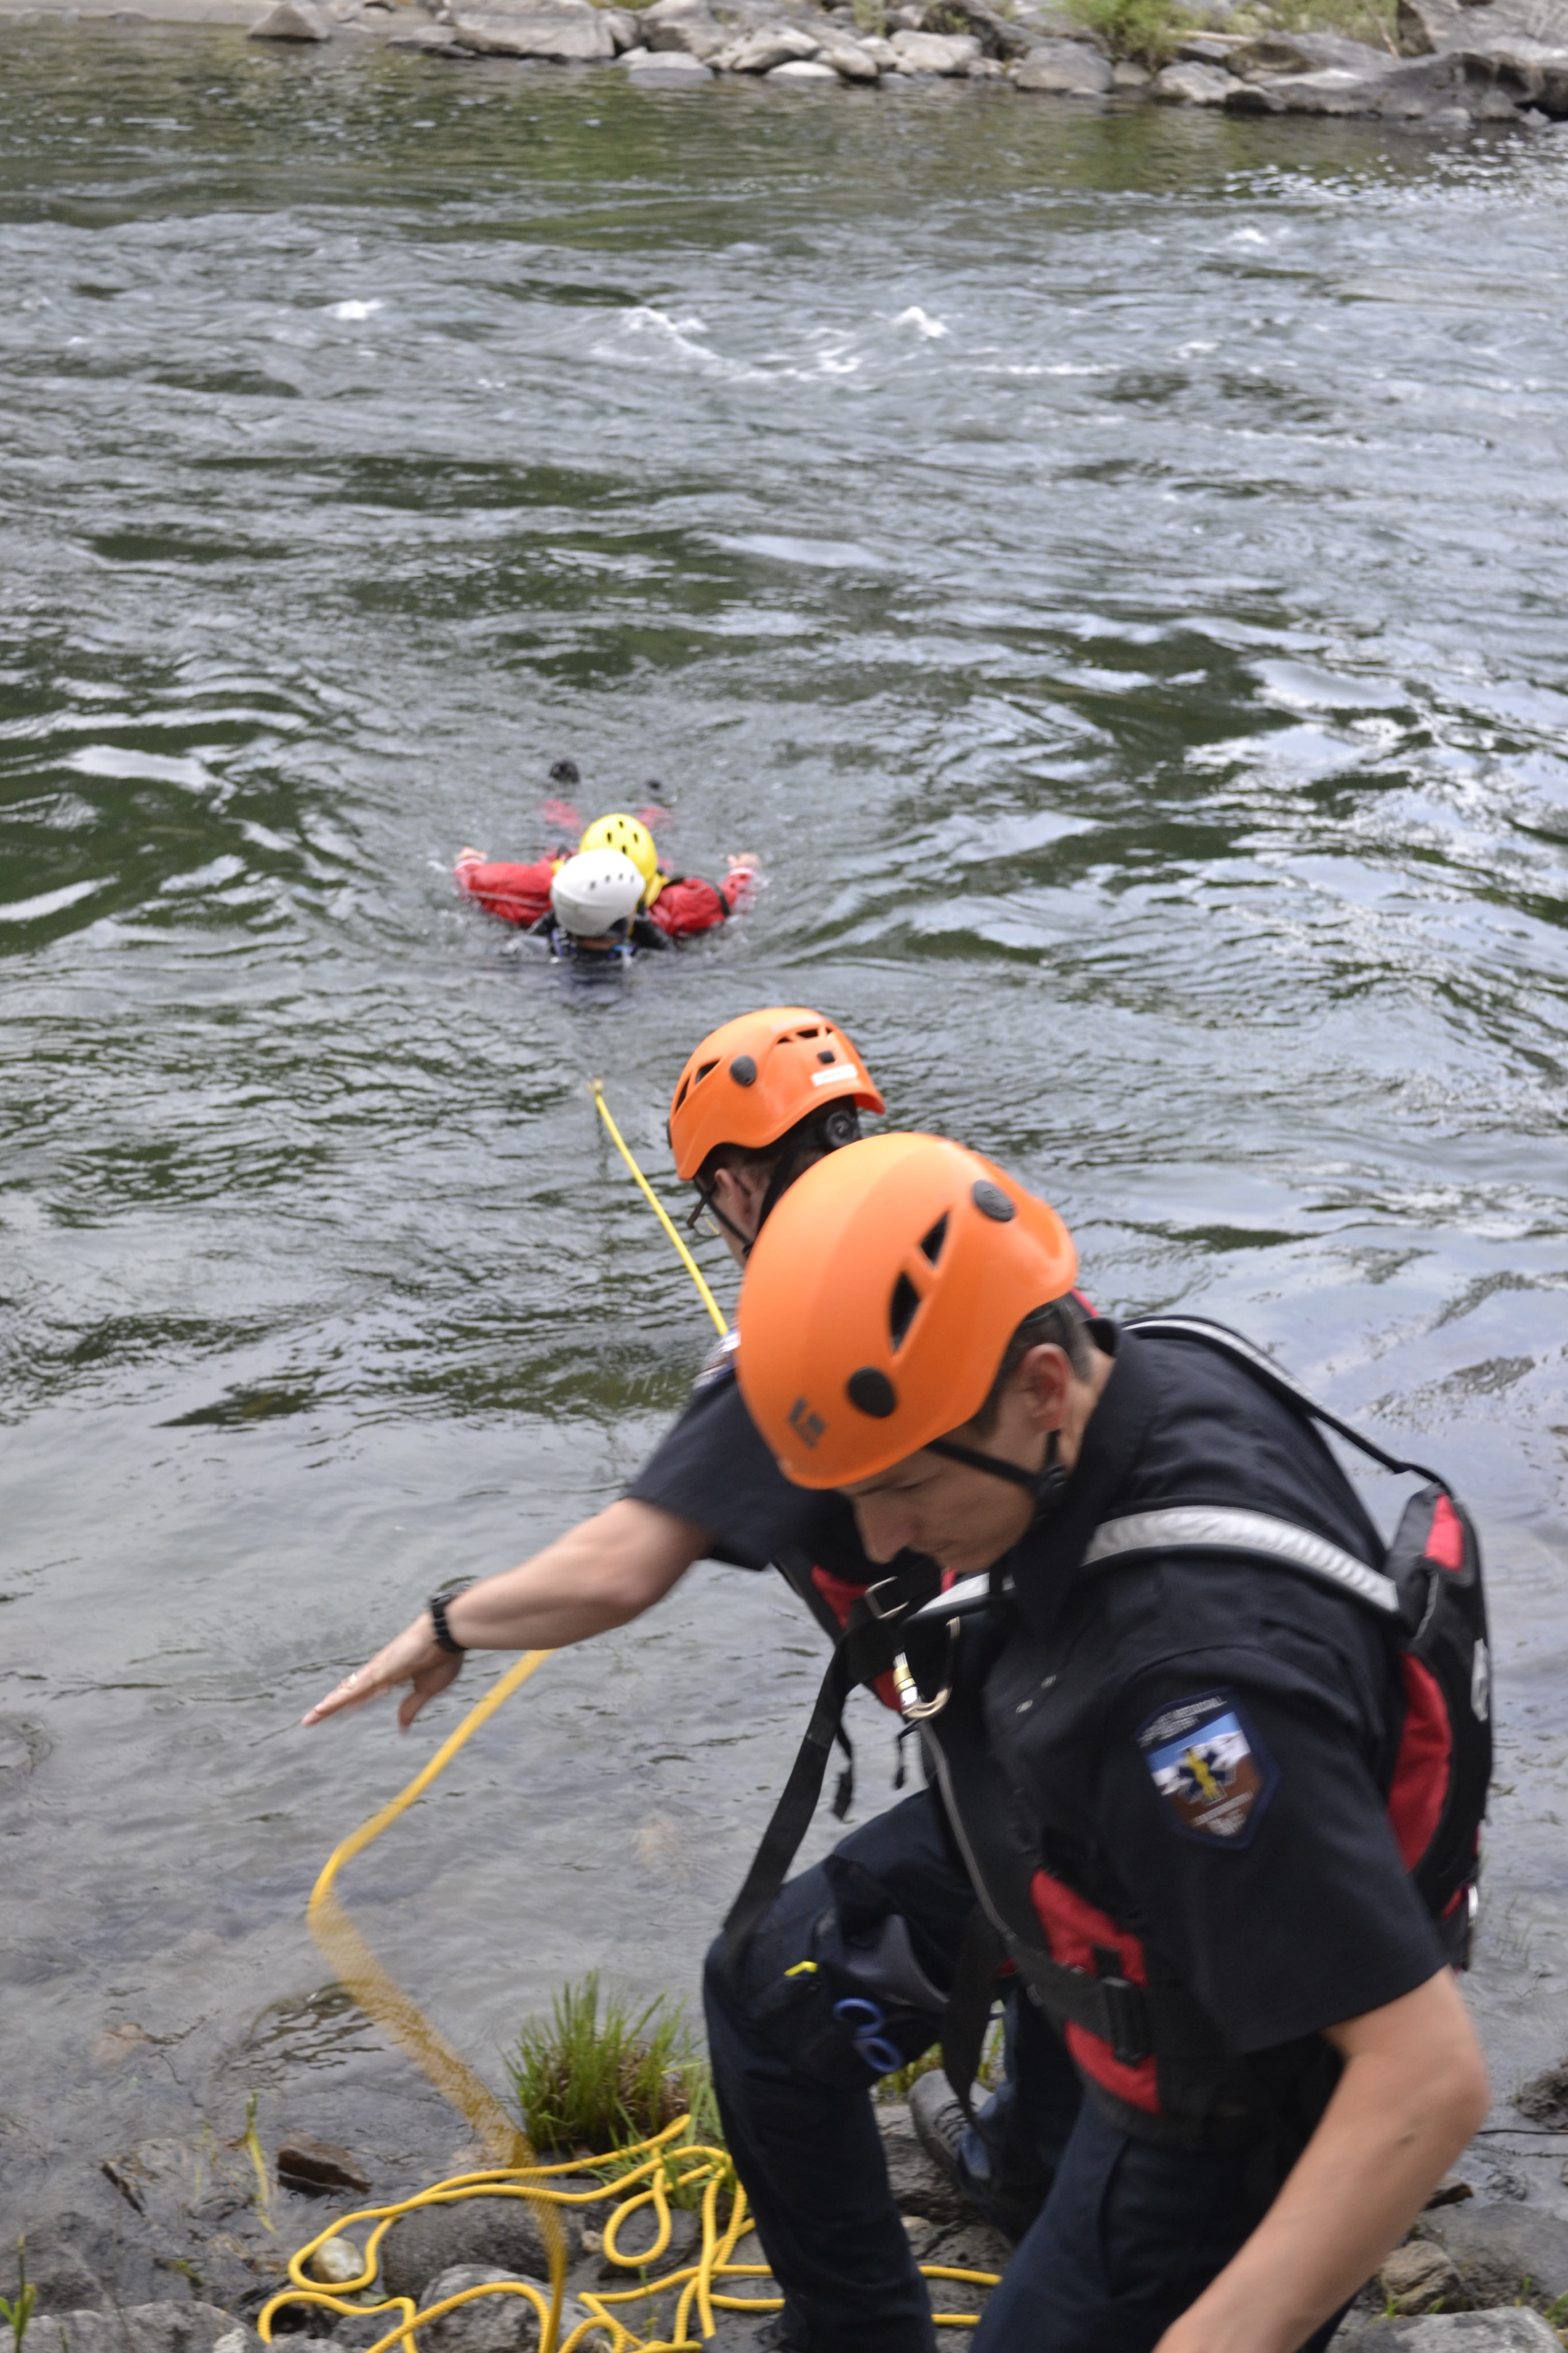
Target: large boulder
x=686 y=24
x=1192 y=84
x=1298 y=53
x=1502 y=2250
x=805 y=73
x=1429 y=26
x=1065 y=69
x=488 y=2324
x=1515 y=2331
x=759 y=53
x=567 y=31
x=934 y=53
x=1406 y=89
x=665 y=69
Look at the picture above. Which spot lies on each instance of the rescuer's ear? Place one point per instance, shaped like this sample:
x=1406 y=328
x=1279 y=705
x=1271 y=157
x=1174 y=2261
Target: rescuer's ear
x=740 y=1194
x=1040 y=1387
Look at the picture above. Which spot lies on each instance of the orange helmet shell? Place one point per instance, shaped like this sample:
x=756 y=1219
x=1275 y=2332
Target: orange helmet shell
x=751 y=1081
x=880 y=1300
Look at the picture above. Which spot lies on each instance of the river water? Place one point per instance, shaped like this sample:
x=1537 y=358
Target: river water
x=1111 y=569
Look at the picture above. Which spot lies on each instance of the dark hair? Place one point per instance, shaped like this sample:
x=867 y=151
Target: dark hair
x=809 y=1141
x=1063 y=1325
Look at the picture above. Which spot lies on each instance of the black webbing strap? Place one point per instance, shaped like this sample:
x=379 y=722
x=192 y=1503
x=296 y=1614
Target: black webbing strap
x=867 y=1648
x=982 y=1956
x=1106 y=2005
x=1289 y=1392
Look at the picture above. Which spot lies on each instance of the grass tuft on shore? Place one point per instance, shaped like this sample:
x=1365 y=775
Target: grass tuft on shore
x=600 y=2073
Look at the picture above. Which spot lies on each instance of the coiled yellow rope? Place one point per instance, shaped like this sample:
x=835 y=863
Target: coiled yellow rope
x=666 y=2164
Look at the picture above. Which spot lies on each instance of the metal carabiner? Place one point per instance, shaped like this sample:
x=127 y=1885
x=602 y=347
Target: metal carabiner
x=911 y=1706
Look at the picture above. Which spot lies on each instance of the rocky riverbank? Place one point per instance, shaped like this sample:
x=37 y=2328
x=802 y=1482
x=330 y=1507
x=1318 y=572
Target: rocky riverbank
x=1456 y=63
x=1477 y=2275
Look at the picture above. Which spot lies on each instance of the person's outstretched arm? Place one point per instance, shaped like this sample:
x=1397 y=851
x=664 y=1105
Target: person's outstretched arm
x=600 y=1574
x=1413 y=2092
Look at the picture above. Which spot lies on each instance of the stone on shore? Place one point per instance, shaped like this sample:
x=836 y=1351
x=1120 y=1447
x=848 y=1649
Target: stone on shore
x=1515 y=2330
x=849 y=61
x=683 y=24
x=997 y=36
x=1299 y=53
x=491 y=2324
x=1065 y=69
x=759 y=53
x=561 y=30
x=803 y=73
x=1192 y=84
x=500 y=2232
x=1420 y=2277
x=934 y=53
x=918 y=2187
x=1426 y=27
x=423 y=34
x=1499 y=2246
x=188 y=2327
x=313 y=2165
x=292 y=20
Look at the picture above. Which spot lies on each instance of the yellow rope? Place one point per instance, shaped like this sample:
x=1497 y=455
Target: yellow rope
x=661 y=1212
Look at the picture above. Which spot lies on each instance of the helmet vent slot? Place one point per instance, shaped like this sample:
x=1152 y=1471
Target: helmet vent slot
x=700 y=1075
x=930 y=1244
x=808 y=1033
x=901 y=1309
x=685 y=1090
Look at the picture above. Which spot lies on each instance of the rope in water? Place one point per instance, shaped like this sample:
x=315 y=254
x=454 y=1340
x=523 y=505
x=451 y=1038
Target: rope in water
x=666 y=2164
x=661 y=1212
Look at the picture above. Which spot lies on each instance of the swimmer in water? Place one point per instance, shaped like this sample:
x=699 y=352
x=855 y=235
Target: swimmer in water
x=557 y=895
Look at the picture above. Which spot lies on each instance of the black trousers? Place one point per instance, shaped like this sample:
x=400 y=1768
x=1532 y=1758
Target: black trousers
x=1128 y=2236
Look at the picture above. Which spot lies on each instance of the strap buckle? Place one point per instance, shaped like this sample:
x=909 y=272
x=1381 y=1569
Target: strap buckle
x=1126 y=2016
x=895 y=1608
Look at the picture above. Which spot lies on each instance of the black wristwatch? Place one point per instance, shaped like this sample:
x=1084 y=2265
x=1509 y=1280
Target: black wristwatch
x=444 y=1634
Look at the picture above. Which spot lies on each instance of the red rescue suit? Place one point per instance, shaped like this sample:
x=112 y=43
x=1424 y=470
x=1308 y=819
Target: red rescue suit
x=683 y=905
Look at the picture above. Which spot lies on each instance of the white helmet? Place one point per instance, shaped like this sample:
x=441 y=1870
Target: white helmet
x=594 y=891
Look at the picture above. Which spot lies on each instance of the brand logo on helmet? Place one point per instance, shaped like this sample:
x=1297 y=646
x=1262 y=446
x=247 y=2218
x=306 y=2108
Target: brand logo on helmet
x=808 y=1427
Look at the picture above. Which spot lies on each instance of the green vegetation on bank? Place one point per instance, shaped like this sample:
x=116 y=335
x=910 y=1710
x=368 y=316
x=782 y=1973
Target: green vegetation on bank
x=1149 y=32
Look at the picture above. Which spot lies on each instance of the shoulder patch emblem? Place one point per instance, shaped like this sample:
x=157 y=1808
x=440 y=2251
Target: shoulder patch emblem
x=1215 y=1776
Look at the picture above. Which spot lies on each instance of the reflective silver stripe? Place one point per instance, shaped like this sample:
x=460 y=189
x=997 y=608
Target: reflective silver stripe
x=1205 y=1528
x=970 y=1593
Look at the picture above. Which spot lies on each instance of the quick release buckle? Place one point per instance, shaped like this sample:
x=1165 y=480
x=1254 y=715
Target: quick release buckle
x=1126 y=2016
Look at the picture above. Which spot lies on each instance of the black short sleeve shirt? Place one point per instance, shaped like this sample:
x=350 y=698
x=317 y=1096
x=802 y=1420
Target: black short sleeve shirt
x=1199 y=1741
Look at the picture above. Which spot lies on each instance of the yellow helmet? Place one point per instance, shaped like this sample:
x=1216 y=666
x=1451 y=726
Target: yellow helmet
x=631 y=839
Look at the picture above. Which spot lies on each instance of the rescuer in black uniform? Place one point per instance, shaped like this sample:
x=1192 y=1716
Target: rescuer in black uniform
x=759 y=1102
x=1215 y=1756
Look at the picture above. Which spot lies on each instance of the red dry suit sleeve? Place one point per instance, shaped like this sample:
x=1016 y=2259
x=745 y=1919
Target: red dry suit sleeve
x=687 y=905
x=740 y=888
x=520 y=894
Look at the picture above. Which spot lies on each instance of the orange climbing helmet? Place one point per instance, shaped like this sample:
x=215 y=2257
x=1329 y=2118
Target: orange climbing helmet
x=880 y=1300
x=759 y=1075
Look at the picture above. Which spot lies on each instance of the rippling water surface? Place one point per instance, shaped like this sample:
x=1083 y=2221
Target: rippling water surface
x=1112 y=570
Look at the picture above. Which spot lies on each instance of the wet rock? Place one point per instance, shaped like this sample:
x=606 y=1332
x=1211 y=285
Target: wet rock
x=491 y=2324
x=683 y=24
x=1297 y=53
x=1419 y=2277
x=805 y=73
x=849 y=60
x=422 y=34
x=188 y=2327
x=1498 y=2247
x=1450 y=2191
x=934 y=53
x=1065 y=69
x=666 y=69
x=1192 y=85
x=1127 y=74
x=560 y=30
x=918 y=2187
x=759 y=53
x=1450 y=2332
x=292 y=20
x=500 y=2232
x=1331 y=92
x=316 y=2164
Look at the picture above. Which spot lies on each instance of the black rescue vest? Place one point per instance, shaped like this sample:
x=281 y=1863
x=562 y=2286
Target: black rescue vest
x=1154 y=2058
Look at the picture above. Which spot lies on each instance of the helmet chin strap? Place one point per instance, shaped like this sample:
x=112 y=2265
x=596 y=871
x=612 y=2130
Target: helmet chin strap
x=1045 y=1486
